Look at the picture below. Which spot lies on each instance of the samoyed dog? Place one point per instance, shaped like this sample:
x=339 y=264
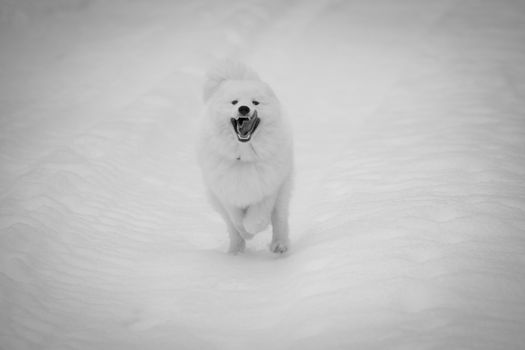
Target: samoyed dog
x=246 y=156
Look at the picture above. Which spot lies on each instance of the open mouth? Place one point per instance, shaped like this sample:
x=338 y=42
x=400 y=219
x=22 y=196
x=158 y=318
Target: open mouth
x=244 y=127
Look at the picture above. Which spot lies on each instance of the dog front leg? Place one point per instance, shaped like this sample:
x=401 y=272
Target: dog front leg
x=233 y=218
x=280 y=241
x=237 y=216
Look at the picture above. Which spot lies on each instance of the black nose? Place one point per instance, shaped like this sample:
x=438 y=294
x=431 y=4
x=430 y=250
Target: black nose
x=243 y=110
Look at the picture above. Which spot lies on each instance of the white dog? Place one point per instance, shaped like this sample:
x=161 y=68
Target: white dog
x=246 y=156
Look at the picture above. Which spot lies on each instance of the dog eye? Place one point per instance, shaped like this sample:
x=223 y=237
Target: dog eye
x=234 y=102
x=255 y=102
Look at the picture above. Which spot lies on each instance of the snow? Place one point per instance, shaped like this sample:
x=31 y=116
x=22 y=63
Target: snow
x=408 y=217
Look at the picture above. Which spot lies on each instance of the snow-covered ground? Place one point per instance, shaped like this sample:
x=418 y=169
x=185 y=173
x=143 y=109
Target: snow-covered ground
x=408 y=218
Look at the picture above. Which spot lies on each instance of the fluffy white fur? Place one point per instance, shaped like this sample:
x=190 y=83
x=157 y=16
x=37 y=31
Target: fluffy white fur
x=248 y=183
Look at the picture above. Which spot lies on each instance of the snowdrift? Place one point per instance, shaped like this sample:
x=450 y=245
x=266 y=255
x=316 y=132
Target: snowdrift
x=408 y=217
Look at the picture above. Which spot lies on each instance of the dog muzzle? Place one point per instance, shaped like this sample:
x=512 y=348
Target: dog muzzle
x=245 y=126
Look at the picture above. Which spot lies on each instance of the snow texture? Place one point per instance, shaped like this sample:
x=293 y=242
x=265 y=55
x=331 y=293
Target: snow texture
x=408 y=214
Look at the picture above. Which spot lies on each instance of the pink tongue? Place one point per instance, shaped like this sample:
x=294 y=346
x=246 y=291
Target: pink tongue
x=245 y=127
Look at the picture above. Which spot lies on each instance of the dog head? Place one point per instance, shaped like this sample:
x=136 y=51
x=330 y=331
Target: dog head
x=243 y=107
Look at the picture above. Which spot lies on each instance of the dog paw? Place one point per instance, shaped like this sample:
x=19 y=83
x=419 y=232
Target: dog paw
x=279 y=247
x=254 y=224
x=246 y=235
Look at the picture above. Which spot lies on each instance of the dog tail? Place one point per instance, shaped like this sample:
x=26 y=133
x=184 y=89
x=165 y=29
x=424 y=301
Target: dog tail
x=223 y=70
